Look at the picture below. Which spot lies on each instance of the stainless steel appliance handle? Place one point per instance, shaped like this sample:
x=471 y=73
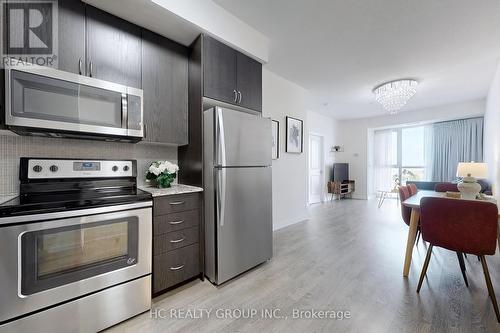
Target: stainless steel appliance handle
x=235 y=95
x=80 y=65
x=221 y=138
x=240 y=96
x=176 y=203
x=178 y=240
x=177 y=268
x=176 y=222
x=91 y=69
x=222 y=196
x=72 y=213
x=221 y=180
x=124 y=111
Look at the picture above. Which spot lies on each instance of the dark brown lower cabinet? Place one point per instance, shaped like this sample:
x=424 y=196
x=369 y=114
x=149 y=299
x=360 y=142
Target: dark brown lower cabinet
x=174 y=267
x=176 y=240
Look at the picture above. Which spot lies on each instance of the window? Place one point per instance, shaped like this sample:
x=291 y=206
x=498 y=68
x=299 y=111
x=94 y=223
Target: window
x=412 y=165
x=399 y=156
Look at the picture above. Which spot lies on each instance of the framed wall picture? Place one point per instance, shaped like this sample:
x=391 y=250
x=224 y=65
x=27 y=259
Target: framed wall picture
x=294 y=135
x=275 y=128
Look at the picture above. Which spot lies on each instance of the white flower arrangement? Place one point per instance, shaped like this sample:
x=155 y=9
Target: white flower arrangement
x=163 y=172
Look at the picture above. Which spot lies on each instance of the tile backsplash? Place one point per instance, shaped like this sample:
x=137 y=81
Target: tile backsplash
x=12 y=147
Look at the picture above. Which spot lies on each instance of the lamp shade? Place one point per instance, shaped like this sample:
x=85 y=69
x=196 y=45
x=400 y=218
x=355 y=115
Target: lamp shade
x=476 y=170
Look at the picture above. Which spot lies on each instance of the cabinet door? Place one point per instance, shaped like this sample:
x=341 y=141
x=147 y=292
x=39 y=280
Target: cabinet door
x=249 y=82
x=71 y=36
x=219 y=71
x=165 y=85
x=113 y=48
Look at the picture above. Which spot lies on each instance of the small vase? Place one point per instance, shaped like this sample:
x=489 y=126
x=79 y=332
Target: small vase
x=164 y=185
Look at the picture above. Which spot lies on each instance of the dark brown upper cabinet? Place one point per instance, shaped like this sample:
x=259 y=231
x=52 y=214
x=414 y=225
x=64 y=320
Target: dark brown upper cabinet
x=219 y=63
x=230 y=76
x=113 y=48
x=249 y=82
x=71 y=36
x=165 y=86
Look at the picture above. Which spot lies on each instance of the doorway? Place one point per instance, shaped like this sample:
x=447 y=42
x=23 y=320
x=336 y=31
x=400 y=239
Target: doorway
x=316 y=169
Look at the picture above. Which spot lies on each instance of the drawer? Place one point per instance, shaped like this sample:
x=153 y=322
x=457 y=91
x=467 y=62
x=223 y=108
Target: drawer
x=175 y=267
x=174 y=240
x=175 y=203
x=175 y=221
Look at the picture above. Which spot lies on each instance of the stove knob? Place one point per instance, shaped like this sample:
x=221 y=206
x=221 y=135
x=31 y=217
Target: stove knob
x=53 y=168
x=126 y=168
x=115 y=168
x=37 y=168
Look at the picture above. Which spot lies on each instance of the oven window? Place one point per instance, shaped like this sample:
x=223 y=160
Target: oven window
x=59 y=256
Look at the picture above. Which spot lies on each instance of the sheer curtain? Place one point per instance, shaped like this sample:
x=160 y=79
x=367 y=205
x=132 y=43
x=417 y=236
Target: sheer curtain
x=384 y=150
x=453 y=142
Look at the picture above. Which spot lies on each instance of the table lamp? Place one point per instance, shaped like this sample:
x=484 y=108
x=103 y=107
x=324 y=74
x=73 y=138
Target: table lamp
x=469 y=172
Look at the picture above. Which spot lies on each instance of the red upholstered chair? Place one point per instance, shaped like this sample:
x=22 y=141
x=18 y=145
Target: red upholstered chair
x=464 y=226
x=446 y=187
x=413 y=189
x=405 y=193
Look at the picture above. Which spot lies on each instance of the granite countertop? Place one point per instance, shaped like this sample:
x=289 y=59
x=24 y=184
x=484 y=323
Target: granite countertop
x=175 y=189
x=4 y=198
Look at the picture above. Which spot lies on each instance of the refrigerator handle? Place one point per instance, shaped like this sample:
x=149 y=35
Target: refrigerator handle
x=221 y=142
x=221 y=181
x=221 y=195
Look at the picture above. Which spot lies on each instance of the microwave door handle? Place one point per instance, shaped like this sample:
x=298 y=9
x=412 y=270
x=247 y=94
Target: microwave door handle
x=80 y=66
x=124 y=111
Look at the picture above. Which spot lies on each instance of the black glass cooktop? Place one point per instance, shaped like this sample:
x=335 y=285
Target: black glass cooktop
x=56 y=201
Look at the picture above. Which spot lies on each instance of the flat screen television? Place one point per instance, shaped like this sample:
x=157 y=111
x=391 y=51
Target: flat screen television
x=340 y=172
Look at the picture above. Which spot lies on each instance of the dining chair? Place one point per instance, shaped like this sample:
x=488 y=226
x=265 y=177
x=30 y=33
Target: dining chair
x=446 y=187
x=464 y=226
x=412 y=188
x=405 y=193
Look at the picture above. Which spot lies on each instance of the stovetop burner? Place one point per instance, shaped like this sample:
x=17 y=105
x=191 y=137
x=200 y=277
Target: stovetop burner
x=54 y=185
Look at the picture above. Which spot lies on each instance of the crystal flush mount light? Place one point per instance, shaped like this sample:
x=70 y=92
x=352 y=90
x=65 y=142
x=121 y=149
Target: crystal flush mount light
x=394 y=95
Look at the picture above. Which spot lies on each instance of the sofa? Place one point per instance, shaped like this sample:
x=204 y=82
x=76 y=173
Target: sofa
x=429 y=186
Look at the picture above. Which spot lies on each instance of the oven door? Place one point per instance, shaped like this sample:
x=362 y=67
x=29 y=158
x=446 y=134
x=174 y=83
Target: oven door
x=43 y=264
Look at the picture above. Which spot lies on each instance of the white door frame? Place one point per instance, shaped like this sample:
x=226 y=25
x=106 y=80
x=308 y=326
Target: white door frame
x=322 y=168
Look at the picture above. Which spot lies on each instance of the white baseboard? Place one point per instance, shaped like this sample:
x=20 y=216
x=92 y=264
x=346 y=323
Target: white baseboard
x=284 y=224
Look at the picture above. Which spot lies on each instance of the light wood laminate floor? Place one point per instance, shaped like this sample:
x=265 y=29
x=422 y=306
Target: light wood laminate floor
x=348 y=256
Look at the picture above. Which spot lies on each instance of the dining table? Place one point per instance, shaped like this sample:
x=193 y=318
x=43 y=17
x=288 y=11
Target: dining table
x=413 y=202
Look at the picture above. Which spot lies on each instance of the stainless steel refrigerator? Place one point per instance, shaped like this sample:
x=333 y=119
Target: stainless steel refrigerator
x=238 y=196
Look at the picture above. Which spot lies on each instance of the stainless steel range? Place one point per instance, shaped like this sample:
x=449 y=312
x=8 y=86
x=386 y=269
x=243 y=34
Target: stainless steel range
x=75 y=247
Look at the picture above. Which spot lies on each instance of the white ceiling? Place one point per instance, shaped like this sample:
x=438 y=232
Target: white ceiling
x=341 y=49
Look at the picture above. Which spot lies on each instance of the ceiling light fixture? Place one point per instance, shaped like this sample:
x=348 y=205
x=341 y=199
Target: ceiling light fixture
x=394 y=95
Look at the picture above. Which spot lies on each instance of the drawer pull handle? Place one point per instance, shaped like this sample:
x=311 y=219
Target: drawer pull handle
x=176 y=268
x=176 y=222
x=178 y=240
x=176 y=203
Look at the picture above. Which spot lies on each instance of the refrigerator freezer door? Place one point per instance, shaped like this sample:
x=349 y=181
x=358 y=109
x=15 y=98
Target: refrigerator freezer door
x=242 y=139
x=244 y=220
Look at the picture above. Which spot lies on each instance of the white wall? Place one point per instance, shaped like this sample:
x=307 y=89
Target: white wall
x=283 y=98
x=325 y=126
x=492 y=134
x=354 y=135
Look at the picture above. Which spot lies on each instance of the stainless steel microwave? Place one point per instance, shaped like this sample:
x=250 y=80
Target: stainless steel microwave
x=49 y=102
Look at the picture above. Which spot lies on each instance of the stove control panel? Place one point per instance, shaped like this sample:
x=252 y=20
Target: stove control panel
x=55 y=168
